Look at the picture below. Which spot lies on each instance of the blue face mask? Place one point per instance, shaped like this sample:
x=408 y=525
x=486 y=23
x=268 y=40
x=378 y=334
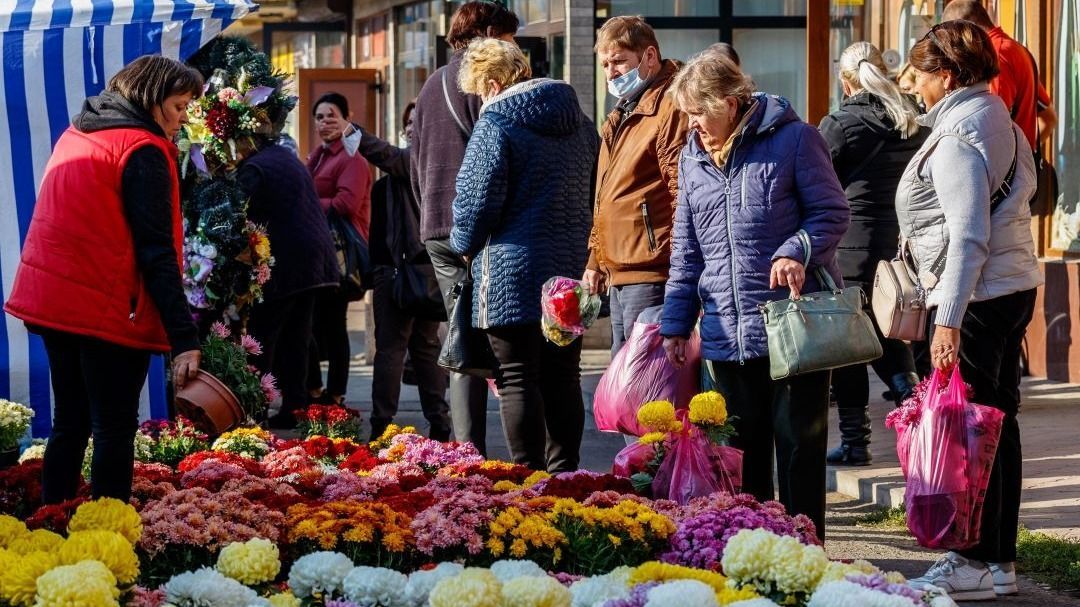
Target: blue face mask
x=626 y=85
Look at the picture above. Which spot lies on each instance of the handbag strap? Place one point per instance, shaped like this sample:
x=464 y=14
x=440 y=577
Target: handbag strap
x=824 y=279
x=450 y=106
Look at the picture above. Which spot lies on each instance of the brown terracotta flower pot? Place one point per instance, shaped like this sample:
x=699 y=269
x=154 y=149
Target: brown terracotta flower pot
x=209 y=404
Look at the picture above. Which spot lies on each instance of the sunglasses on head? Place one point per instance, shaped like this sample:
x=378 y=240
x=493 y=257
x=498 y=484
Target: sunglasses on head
x=937 y=42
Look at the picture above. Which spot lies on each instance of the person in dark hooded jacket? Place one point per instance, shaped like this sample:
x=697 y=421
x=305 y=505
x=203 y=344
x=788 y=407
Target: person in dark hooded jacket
x=100 y=274
x=871 y=139
x=522 y=214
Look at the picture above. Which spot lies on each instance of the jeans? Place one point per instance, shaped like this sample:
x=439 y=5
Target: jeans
x=330 y=334
x=468 y=394
x=283 y=327
x=991 y=341
x=791 y=413
x=627 y=302
x=96 y=387
x=539 y=387
x=395 y=332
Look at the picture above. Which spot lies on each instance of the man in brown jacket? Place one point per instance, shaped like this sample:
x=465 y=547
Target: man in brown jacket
x=637 y=176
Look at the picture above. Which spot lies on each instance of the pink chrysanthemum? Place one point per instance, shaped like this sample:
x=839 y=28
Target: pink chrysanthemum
x=269 y=387
x=219 y=329
x=251 y=345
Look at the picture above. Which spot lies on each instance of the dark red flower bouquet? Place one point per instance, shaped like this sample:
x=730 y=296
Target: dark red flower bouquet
x=55 y=517
x=20 y=488
x=333 y=421
x=567 y=309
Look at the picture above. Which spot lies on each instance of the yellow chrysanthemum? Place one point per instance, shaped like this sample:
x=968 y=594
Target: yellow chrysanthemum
x=391 y=431
x=18 y=581
x=255 y=561
x=506 y=486
x=86 y=583
x=708 y=409
x=535 y=592
x=262 y=247
x=895 y=577
x=11 y=529
x=109 y=547
x=729 y=595
x=284 y=599
x=655 y=571
x=470 y=588
x=38 y=539
x=524 y=532
x=658 y=416
x=108 y=514
x=653 y=437
x=837 y=571
x=534 y=478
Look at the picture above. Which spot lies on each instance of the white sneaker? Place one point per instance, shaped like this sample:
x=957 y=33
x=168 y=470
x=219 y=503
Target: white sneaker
x=956 y=575
x=1004 y=575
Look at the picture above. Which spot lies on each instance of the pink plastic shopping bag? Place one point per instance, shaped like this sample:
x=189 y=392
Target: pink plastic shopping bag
x=640 y=372
x=695 y=467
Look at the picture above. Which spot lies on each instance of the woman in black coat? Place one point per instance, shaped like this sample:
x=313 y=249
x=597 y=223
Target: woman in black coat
x=872 y=137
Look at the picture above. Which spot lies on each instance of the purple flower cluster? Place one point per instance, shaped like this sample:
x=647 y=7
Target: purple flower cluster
x=445 y=487
x=639 y=595
x=432 y=454
x=879 y=583
x=340 y=487
x=454 y=524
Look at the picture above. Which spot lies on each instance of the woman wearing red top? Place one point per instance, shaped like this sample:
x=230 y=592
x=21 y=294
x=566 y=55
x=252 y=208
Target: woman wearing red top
x=344 y=186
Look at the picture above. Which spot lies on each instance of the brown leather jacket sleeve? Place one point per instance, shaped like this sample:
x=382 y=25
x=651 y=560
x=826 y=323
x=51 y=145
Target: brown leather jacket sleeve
x=670 y=140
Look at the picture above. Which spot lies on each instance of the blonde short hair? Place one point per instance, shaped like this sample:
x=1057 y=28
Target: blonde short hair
x=492 y=59
x=706 y=80
x=630 y=33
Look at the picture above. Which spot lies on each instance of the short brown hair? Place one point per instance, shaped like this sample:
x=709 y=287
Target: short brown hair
x=968 y=10
x=959 y=47
x=492 y=59
x=484 y=19
x=151 y=79
x=630 y=33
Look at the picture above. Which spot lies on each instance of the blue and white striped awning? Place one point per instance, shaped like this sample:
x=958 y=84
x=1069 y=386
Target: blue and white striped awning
x=56 y=54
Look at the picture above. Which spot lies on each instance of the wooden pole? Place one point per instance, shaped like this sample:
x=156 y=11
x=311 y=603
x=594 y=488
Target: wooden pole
x=817 y=60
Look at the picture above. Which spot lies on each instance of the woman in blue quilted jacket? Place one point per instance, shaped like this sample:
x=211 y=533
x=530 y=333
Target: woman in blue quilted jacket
x=753 y=178
x=522 y=215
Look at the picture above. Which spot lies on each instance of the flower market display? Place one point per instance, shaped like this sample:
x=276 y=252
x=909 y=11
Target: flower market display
x=227 y=258
x=251 y=519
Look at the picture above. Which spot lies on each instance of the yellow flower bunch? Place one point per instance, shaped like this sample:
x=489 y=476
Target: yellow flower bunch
x=395 y=453
x=658 y=416
x=108 y=514
x=638 y=521
x=391 y=431
x=535 y=592
x=252 y=432
x=470 y=588
x=38 y=539
x=708 y=409
x=256 y=561
x=356 y=522
x=651 y=438
x=109 y=547
x=284 y=599
x=535 y=477
x=262 y=246
x=655 y=571
x=523 y=532
x=506 y=486
x=11 y=529
x=836 y=571
x=86 y=583
x=18 y=581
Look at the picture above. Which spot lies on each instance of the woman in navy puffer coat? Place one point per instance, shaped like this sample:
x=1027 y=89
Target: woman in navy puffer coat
x=752 y=176
x=522 y=215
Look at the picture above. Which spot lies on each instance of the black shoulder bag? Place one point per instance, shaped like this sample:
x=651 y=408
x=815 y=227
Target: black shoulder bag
x=353 y=258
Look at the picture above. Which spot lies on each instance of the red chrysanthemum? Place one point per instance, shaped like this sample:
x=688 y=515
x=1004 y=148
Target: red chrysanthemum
x=56 y=517
x=361 y=460
x=222 y=121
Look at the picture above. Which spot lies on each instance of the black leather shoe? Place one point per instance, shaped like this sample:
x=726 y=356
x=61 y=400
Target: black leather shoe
x=848 y=455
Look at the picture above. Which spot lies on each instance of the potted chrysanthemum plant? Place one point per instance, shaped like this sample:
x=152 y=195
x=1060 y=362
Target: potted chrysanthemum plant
x=14 y=423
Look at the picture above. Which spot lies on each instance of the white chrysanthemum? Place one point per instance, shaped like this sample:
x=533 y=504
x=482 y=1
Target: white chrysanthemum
x=937 y=597
x=319 y=572
x=795 y=566
x=32 y=452
x=683 y=593
x=421 y=582
x=595 y=591
x=747 y=555
x=753 y=603
x=375 y=587
x=209 y=588
x=849 y=594
x=143 y=444
x=507 y=570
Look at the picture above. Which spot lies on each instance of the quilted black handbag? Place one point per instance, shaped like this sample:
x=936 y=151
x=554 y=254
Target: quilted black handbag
x=466 y=349
x=416 y=291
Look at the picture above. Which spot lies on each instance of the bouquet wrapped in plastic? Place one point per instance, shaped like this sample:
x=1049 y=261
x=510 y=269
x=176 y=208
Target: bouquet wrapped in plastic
x=640 y=372
x=567 y=309
x=946 y=446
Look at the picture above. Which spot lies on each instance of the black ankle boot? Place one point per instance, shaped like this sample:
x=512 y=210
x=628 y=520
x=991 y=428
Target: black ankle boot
x=901 y=386
x=849 y=455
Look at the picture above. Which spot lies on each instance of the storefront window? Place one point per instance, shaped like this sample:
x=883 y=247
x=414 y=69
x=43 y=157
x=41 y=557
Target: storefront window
x=658 y=8
x=776 y=60
x=769 y=8
x=417 y=26
x=1066 y=220
x=847 y=24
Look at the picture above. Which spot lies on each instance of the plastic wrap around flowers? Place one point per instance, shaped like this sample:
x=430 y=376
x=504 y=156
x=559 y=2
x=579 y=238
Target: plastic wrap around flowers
x=567 y=308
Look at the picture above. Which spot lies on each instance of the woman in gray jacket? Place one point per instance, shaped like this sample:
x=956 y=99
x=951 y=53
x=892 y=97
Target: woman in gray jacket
x=963 y=209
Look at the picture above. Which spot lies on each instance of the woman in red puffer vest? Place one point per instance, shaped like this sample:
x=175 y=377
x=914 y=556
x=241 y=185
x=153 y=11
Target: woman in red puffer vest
x=100 y=275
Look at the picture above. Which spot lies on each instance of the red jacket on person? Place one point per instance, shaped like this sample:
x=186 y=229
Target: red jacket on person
x=78 y=272
x=343 y=183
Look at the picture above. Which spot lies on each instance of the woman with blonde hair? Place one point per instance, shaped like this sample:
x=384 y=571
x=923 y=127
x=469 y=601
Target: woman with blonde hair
x=755 y=183
x=522 y=215
x=871 y=138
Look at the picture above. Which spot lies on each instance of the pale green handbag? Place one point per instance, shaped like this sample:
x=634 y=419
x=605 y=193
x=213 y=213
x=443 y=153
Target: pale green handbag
x=819 y=331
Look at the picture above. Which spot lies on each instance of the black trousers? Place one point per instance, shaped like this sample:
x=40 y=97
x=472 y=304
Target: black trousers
x=468 y=394
x=539 y=388
x=283 y=327
x=96 y=388
x=395 y=332
x=789 y=415
x=991 y=341
x=330 y=342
